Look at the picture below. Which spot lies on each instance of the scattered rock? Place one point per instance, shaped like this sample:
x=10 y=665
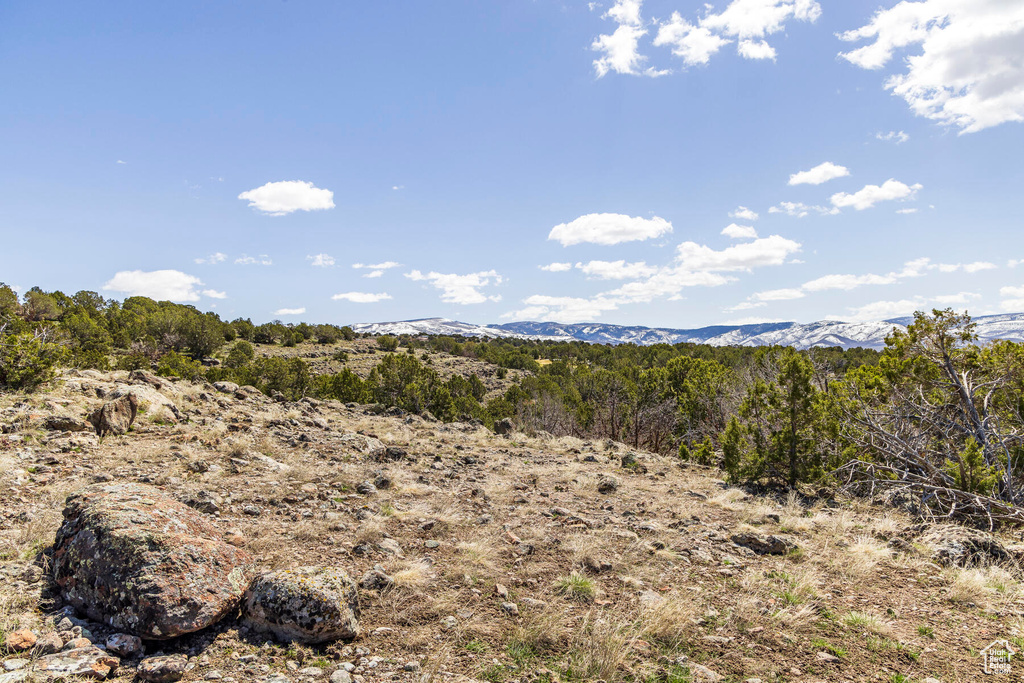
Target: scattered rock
x=412 y=666
x=826 y=657
x=115 y=417
x=391 y=547
x=510 y=608
x=702 y=674
x=162 y=669
x=16 y=664
x=608 y=484
x=306 y=605
x=341 y=676
x=62 y=423
x=225 y=387
x=764 y=545
x=376 y=580
x=367 y=445
x=49 y=644
x=504 y=426
x=132 y=557
x=124 y=645
x=21 y=640
x=963 y=547
x=90 y=662
x=366 y=488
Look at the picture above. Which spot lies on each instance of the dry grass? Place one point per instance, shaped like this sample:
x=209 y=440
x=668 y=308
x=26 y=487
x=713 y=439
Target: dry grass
x=864 y=555
x=986 y=587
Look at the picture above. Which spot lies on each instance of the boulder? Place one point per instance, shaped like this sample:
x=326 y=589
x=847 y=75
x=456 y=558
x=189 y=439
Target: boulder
x=149 y=378
x=306 y=605
x=367 y=445
x=963 y=547
x=504 y=426
x=115 y=417
x=225 y=387
x=607 y=484
x=143 y=563
x=764 y=545
x=63 y=423
x=90 y=662
x=162 y=668
x=149 y=399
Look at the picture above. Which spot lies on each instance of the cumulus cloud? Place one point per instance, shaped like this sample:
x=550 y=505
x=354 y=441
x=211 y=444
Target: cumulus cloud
x=883 y=310
x=847 y=282
x=739 y=232
x=214 y=294
x=869 y=195
x=556 y=267
x=261 y=260
x=744 y=214
x=766 y=251
x=897 y=137
x=968 y=72
x=460 y=289
x=288 y=196
x=756 y=49
x=822 y=173
x=620 y=49
x=290 y=311
x=746 y=22
x=608 y=229
x=361 y=297
x=564 y=309
x=212 y=259
x=321 y=260
x=1013 y=298
x=799 y=209
x=617 y=270
x=778 y=295
x=162 y=285
x=376 y=269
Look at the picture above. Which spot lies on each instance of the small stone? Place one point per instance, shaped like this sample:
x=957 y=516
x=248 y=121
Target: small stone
x=21 y=640
x=341 y=676
x=15 y=664
x=162 y=669
x=510 y=608
x=213 y=675
x=501 y=590
x=76 y=643
x=390 y=546
x=375 y=580
x=291 y=665
x=826 y=657
x=366 y=488
x=449 y=623
x=412 y=666
x=607 y=485
x=91 y=662
x=49 y=644
x=702 y=674
x=311 y=672
x=431 y=544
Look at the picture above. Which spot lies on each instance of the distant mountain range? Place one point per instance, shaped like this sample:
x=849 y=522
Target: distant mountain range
x=802 y=336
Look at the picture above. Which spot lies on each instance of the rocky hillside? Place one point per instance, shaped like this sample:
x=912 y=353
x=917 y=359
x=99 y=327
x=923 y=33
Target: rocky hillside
x=229 y=537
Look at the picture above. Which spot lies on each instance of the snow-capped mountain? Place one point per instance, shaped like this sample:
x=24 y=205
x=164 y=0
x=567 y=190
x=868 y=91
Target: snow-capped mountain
x=802 y=336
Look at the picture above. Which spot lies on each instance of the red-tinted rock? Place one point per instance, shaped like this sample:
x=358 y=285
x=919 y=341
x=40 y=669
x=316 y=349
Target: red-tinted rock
x=115 y=417
x=21 y=640
x=136 y=559
x=90 y=662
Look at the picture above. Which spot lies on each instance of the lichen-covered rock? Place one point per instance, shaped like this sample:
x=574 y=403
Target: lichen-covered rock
x=64 y=423
x=136 y=559
x=764 y=545
x=115 y=417
x=963 y=547
x=162 y=668
x=367 y=445
x=90 y=662
x=305 y=605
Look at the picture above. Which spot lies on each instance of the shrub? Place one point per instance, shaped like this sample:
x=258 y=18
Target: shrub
x=387 y=343
x=27 y=360
x=241 y=354
x=174 y=364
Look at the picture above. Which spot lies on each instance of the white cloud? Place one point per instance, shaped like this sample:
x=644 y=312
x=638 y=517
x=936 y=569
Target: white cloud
x=361 y=297
x=778 y=295
x=1015 y=302
x=869 y=195
x=960 y=298
x=847 y=282
x=1014 y=262
x=766 y=251
x=287 y=196
x=374 y=273
x=556 y=267
x=621 y=48
x=162 y=285
x=460 y=289
x=385 y=265
x=907 y=211
x=756 y=49
x=752 y=320
x=122 y=163
x=261 y=260
x=799 y=209
x=739 y=232
x=745 y=306
x=744 y=214
x=822 y=173
x=979 y=266
x=214 y=294
x=694 y=44
x=617 y=270
x=969 y=72
x=564 y=309
x=608 y=228
x=290 y=311
x=898 y=137
x=883 y=310
x=212 y=259
x=321 y=260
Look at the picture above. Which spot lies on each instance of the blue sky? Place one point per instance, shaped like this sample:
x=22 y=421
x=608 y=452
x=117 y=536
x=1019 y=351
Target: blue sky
x=489 y=162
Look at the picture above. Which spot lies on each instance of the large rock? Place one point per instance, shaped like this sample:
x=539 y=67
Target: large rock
x=764 y=545
x=134 y=558
x=89 y=662
x=367 y=445
x=115 y=417
x=305 y=605
x=150 y=400
x=963 y=547
x=64 y=423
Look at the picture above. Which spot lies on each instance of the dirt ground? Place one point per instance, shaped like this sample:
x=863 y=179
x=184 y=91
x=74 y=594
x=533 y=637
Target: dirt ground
x=512 y=558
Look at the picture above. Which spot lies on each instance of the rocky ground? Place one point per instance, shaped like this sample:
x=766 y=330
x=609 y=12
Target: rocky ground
x=477 y=557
